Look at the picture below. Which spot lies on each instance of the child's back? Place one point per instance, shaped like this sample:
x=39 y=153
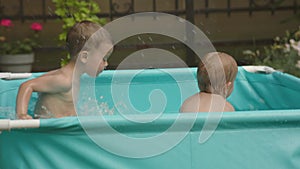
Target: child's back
x=216 y=74
x=206 y=102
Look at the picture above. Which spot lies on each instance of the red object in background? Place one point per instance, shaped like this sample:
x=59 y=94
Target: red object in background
x=36 y=26
x=6 y=23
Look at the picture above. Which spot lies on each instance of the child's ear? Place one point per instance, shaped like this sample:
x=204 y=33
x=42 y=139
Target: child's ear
x=229 y=84
x=83 y=56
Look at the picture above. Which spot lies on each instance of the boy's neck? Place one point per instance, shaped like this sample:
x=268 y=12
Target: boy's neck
x=211 y=94
x=71 y=66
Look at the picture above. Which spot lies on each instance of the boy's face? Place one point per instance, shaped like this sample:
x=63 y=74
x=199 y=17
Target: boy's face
x=97 y=59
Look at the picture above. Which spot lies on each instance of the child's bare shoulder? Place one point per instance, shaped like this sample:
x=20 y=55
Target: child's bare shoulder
x=56 y=79
x=190 y=104
x=229 y=107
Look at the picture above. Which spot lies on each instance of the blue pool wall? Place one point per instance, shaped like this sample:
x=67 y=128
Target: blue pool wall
x=263 y=133
x=252 y=91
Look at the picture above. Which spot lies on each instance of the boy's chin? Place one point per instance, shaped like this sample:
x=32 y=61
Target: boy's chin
x=94 y=75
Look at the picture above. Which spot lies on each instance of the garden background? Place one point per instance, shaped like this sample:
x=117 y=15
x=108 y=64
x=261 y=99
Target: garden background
x=247 y=29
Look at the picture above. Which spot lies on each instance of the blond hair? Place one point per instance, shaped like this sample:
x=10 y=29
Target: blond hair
x=214 y=72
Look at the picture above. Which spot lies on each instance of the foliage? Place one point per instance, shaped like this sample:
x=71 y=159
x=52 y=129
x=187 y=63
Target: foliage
x=65 y=61
x=9 y=46
x=283 y=54
x=72 y=11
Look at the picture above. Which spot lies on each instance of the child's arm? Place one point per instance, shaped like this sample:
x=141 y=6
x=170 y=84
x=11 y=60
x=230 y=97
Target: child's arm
x=23 y=97
x=43 y=84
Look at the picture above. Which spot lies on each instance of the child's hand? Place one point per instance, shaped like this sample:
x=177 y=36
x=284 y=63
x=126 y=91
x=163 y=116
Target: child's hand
x=24 y=116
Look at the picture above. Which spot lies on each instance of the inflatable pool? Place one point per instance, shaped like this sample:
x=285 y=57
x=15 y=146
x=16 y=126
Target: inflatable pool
x=262 y=133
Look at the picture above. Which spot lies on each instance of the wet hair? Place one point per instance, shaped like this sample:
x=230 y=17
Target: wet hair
x=79 y=35
x=215 y=70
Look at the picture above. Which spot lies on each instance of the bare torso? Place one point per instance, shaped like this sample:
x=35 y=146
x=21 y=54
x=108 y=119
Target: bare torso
x=54 y=105
x=59 y=101
x=206 y=102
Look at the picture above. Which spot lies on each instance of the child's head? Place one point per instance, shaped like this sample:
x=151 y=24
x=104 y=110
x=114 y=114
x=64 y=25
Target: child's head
x=211 y=71
x=91 y=43
x=78 y=36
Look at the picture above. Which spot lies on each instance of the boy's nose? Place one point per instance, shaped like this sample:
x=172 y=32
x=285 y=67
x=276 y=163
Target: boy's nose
x=106 y=63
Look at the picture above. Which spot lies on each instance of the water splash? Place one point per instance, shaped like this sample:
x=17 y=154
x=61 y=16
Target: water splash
x=8 y=113
x=105 y=110
x=102 y=108
x=46 y=113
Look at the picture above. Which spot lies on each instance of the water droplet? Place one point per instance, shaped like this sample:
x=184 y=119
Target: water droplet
x=173 y=47
x=143 y=42
x=150 y=38
x=50 y=11
x=261 y=100
x=184 y=38
x=139 y=38
x=181 y=20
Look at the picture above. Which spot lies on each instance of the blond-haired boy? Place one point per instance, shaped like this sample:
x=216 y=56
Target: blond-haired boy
x=216 y=74
x=89 y=45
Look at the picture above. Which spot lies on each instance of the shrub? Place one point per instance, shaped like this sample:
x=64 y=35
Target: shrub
x=283 y=54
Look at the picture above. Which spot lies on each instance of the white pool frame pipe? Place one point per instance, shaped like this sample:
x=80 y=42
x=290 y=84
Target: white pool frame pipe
x=8 y=75
x=7 y=124
x=259 y=69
